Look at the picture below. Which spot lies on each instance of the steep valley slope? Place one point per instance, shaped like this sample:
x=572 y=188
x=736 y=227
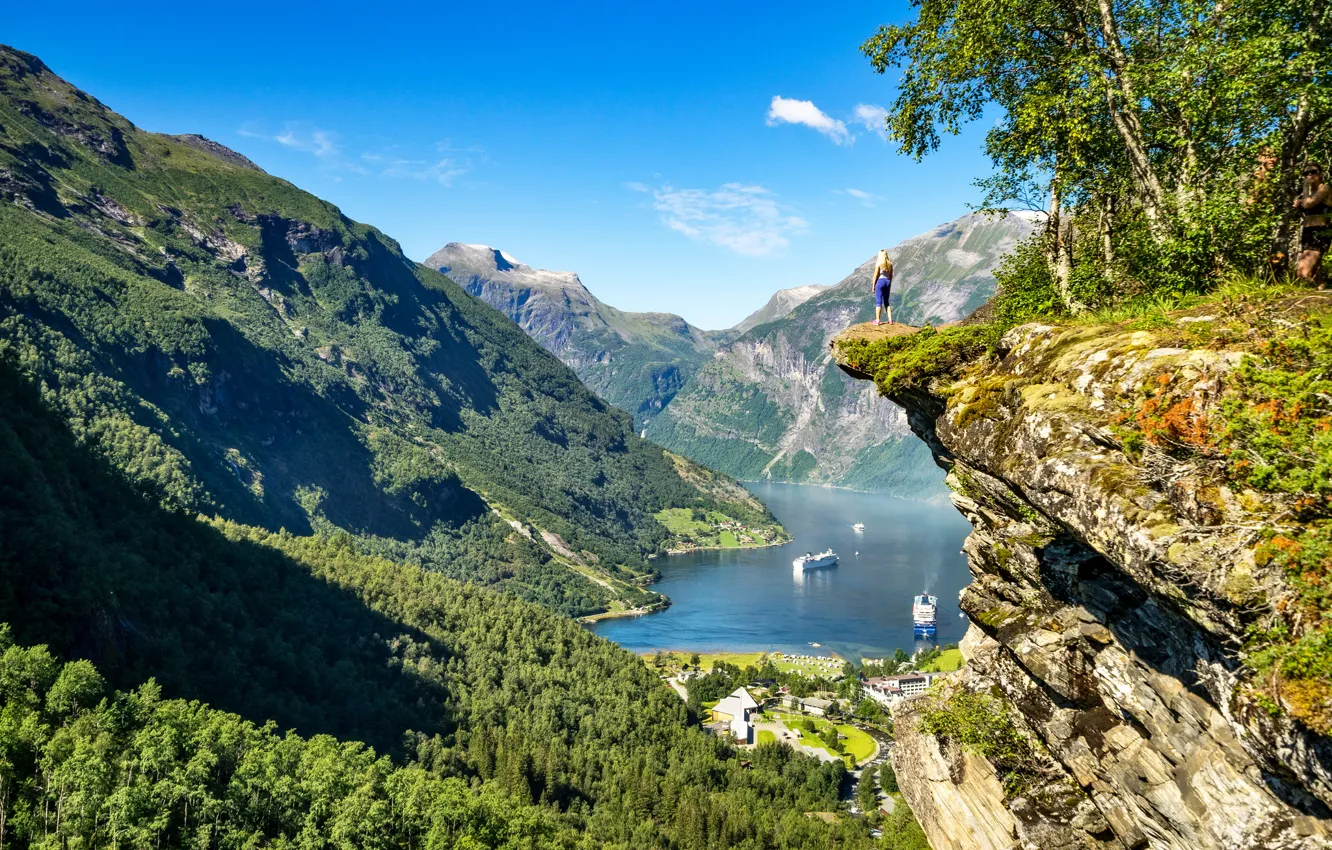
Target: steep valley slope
x=762 y=399
x=772 y=403
x=241 y=349
x=636 y=361
x=167 y=682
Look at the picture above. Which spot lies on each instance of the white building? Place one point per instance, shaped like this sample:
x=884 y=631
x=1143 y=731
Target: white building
x=882 y=691
x=737 y=710
x=887 y=690
x=817 y=707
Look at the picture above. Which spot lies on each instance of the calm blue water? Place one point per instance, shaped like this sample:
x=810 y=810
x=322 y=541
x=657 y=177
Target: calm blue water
x=752 y=599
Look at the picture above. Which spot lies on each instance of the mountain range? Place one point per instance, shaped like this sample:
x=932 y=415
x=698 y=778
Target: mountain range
x=762 y=399
x=782 y=302
x=273 y=503
x=772 y=404
x=636 y=361
x=243 y=350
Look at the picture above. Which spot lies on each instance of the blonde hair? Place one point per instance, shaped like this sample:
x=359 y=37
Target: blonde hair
x=883 y=260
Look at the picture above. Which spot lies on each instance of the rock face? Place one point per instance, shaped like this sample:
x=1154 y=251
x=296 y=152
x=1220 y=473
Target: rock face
x=782 y=302
x=772 y=404
x=218 y=150
x=762 y=399
x=1108 y=598
x=636 y=361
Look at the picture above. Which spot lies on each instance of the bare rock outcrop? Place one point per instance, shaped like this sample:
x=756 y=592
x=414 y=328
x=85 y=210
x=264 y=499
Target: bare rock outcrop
x=1111 y=592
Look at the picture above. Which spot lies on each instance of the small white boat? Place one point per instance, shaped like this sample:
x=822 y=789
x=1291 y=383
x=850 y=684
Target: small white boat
x=810 y=561
x=860 y=526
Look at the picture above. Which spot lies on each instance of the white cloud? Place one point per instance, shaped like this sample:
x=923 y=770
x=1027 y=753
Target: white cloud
x=317 y=142
x=442 y=170
x=866 y=199
x=873 y=118
x=324 y=145
x=635 y=186
x=301 y=137
x=785 y=110
x=745 y=219
x=448 y=164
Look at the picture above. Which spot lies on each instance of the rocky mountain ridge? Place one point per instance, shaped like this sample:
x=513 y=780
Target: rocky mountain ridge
x=772 y=403
x=241 y=349
x=1106 y=702
x=636 y=361
x=782 y=302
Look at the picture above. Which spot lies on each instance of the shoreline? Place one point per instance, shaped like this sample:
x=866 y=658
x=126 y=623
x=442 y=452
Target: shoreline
x=932 y=500
x=666 y=602
x=670 y=552
x=588 y=619
x=762 y=653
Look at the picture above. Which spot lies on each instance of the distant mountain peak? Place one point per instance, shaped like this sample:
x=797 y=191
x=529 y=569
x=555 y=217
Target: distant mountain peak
x=636 y=361
x=782 y=302
x=467 y=262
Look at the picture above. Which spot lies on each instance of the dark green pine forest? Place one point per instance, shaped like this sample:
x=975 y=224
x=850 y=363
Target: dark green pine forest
x=255 y=588
x=243 y=350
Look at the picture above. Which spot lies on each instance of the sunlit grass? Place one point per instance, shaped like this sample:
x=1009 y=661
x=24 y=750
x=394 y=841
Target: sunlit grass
x=1243 y=288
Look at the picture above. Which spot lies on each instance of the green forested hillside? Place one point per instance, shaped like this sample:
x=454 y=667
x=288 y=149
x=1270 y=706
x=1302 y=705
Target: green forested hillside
x=245 y=351
x=636 y=361
x=504 y=724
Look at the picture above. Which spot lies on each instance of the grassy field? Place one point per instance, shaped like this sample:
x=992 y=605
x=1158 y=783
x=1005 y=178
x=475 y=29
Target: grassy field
x=857 y=744
x=676 y=659
x=766 y=736
x=948 y=661
x=681 y=521
x=809 y=668
x=707 y=532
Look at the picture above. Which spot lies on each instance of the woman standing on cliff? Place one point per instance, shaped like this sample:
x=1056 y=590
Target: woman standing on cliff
x=882 y=285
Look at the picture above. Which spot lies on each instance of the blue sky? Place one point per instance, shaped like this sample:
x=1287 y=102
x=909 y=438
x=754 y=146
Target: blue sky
x=680 y=156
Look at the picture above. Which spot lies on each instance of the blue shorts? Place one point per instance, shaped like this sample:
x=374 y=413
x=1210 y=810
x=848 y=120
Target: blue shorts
x=883 y=287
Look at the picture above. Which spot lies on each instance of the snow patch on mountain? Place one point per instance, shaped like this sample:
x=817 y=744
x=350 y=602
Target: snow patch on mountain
x=467 y=263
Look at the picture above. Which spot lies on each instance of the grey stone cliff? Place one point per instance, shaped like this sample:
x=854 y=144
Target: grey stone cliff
x=1107 y=603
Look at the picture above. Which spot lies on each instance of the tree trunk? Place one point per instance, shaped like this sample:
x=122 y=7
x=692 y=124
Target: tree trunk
x=1284 y=189
x=1059 y=230
x=1123 y=105
x=1107 y=226
x=1052 y=229
x=1064 y=263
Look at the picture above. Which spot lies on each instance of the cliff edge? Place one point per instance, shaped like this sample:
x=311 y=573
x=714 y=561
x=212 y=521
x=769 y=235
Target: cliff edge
x=1148 y=660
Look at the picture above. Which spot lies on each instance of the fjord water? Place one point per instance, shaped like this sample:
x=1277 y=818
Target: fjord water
x=752 y=599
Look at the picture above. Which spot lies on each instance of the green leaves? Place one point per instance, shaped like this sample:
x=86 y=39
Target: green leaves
x=1170 y=132
x=981 y=724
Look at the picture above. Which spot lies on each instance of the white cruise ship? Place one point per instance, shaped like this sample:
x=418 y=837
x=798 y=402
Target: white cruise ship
x=809 y=561
x=860 y=526
x=923 y=612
